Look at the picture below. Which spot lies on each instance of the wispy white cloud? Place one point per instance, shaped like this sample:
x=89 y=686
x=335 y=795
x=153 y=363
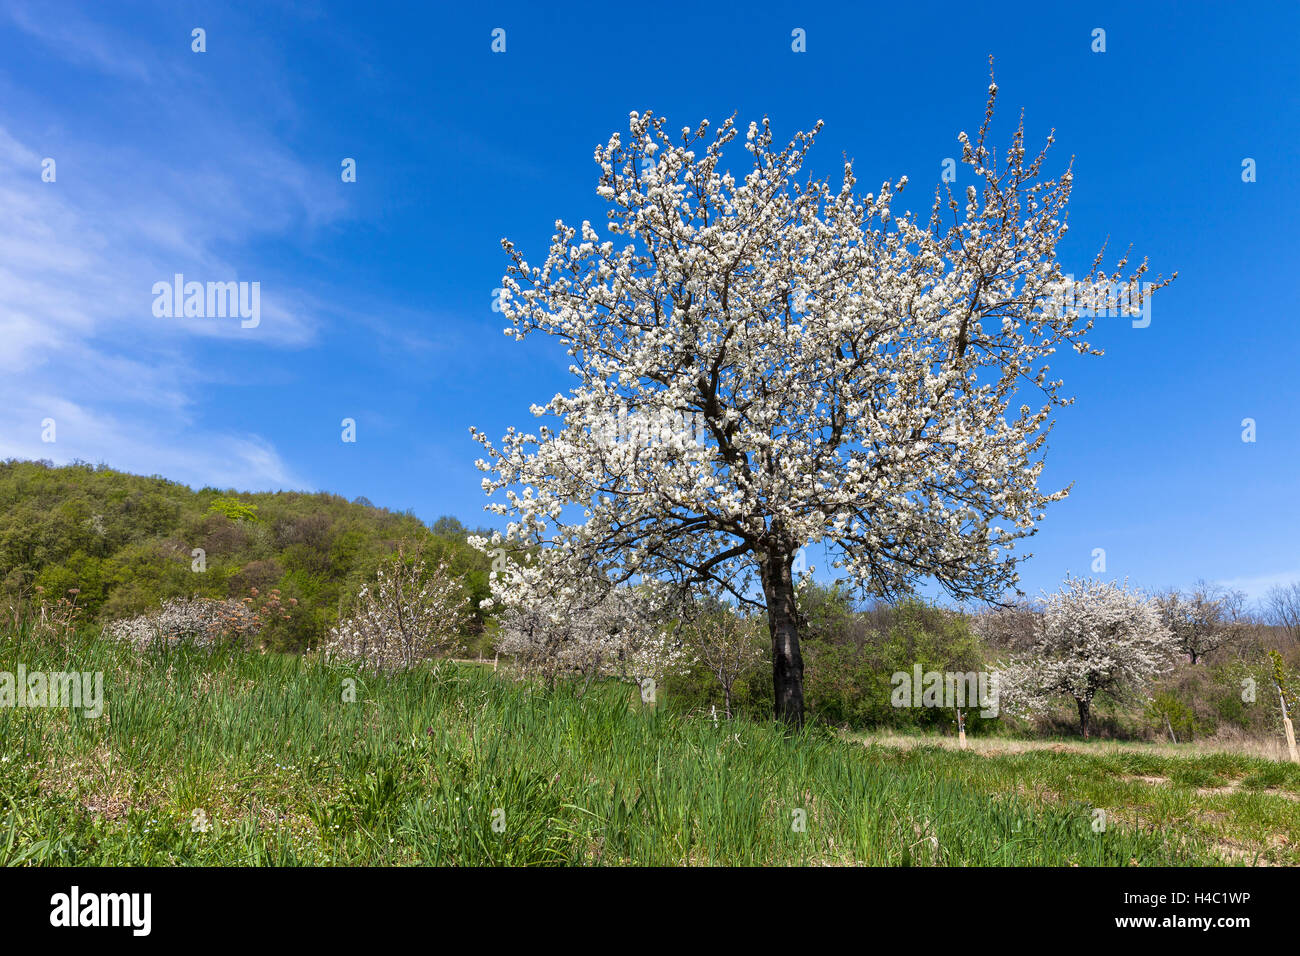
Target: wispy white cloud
x=78 y=40
x=222 y=460
x=209 y=188
x=79 y=257
x=76 y=319
x=1258 y=586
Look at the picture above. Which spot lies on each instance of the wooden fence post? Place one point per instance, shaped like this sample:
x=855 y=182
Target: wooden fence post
x=1286 y=725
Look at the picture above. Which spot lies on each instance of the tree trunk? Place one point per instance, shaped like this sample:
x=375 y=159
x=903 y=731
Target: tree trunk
x=726 y=697
x=1085 y=717
x=782 y=622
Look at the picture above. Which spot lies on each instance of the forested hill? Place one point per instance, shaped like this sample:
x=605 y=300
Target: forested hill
x=127 y=542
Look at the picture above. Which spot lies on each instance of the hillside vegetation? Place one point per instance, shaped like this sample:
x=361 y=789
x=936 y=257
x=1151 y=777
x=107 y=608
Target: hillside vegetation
x=125 y=543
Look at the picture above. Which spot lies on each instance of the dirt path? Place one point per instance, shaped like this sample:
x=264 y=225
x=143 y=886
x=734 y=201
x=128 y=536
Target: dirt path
x=991 y=746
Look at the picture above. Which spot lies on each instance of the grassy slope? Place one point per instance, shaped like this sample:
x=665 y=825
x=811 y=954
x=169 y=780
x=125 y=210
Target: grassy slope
x=290 y=774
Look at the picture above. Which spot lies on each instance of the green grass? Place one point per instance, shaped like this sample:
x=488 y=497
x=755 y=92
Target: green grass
x=412 y=772
x=1219 y=800
x=1244 y=808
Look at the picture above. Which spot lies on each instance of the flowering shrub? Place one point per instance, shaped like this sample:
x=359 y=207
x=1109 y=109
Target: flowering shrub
x=202 y=622
x=406 y=615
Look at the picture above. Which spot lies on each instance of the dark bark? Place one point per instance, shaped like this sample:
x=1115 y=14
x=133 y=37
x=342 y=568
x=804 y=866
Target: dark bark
x=783 y=625
x=1085 y=717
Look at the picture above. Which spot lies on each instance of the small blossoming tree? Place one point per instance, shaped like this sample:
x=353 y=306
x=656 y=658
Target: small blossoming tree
x=851 y=375
x=409 y=613
x=1094 y=637
x=587 y=628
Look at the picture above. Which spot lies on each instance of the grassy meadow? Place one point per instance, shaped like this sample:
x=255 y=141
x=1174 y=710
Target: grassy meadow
x=231 y=758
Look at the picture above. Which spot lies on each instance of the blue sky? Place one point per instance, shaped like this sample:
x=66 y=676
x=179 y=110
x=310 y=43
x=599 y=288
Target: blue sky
x=376 y=295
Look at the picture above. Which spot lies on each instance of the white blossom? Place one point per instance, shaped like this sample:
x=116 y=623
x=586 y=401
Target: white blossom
x=408 y=614
x=200 y=622
x=859 y=375
x=585 y=627
x=1094 y=637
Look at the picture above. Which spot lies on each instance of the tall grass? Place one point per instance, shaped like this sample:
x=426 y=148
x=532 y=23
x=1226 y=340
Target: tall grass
x=421 y=765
